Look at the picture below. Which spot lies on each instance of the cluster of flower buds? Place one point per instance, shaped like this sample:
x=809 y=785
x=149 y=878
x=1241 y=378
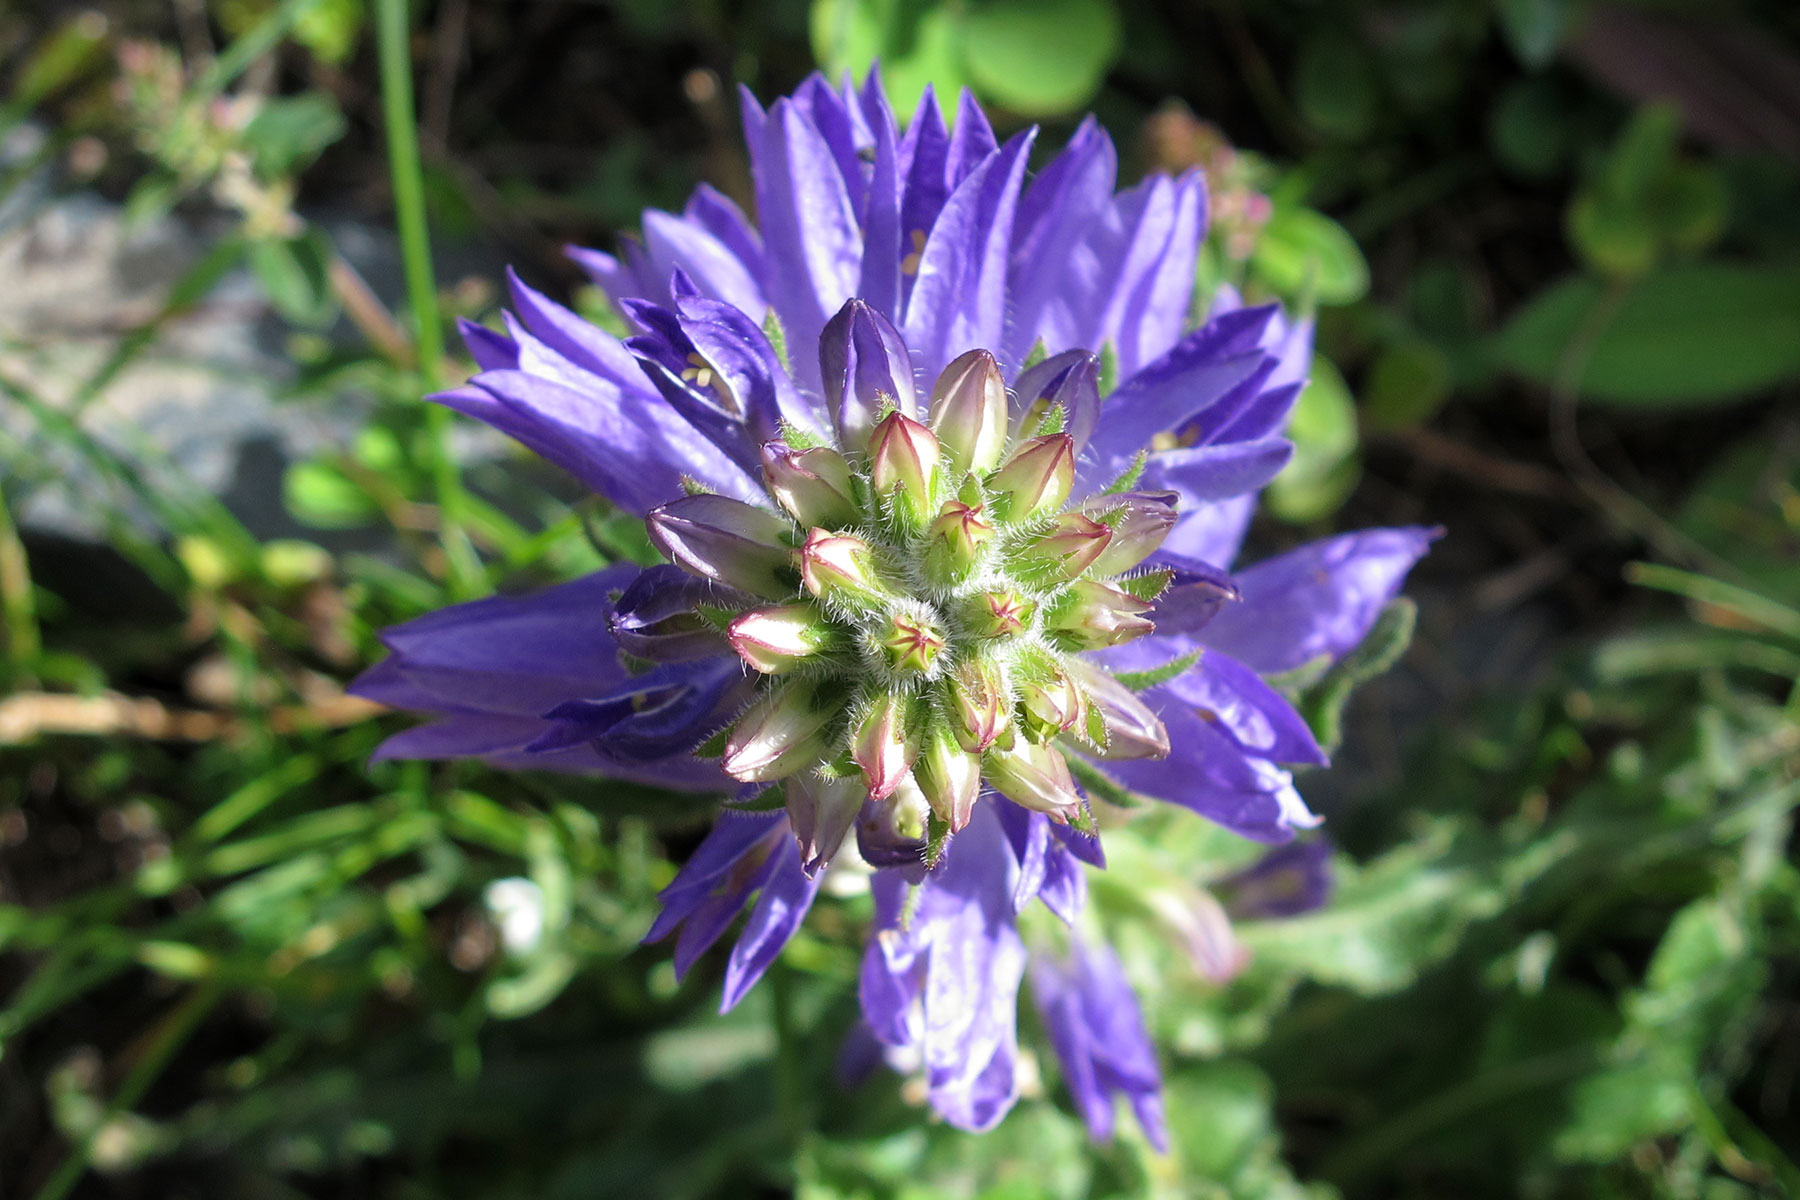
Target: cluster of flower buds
x=917 y=596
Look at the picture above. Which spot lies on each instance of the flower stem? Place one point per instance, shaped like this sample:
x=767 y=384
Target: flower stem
x=392 y=29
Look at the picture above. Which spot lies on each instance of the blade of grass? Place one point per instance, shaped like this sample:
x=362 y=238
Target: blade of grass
x=1770 y=614
x=170 y=1035
x=18 y=611
x=392 y=29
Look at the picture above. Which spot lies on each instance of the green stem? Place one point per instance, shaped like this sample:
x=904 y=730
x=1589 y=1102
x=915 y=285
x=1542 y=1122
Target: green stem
x=393 y=29
x=174 y=1031
x=790 y=1085
x=18 y=613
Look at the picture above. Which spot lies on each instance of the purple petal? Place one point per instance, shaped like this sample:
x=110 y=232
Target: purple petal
x=1206 y=474
x=1097 y=1029
x=1286 y=882
x=1050 y=265
x=1070 y=379
x=780 y=909
x=1248 y=711
x=680 y=244
x=1318 y=600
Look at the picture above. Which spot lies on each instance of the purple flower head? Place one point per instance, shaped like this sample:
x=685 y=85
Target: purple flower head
x=944 y=474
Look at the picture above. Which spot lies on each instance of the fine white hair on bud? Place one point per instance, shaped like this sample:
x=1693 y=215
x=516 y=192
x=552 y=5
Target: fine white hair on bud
x=926 y=598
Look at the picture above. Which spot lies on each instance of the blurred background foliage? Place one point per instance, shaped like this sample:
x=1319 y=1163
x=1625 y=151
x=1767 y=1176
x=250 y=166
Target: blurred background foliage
x=1553 y=250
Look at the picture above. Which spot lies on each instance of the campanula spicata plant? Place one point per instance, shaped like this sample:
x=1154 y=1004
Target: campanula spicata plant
x=951 y=486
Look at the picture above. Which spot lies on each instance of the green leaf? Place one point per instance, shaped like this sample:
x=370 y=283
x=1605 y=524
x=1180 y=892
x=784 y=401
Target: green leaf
x=295 y=274
x=321 y=496
x=1305 y=254
x=917 y=43
x=1039 y=57
x=1138 y=681
x=1533 y=28
x=1681 y=337
x=288 y=133
x=1323 y=704
x=1408 y=382
x=1324 y=468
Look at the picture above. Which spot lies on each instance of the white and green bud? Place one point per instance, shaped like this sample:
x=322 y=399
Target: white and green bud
x=950 y=777
x=968 y=412
x=1034 y=777
x=955 y=542
x=904 y=458
x=980 y=706
x=780 y=734
x=784 y=638
x=813 y=486
x=1132 y=730
x=1051 y=704
x=1000 y=614
x=911 y=644
x=1036 y=480
x=1091 y=615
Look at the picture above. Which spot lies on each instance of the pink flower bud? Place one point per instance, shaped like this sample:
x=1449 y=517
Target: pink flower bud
x=780 y=639
x=1132 y=730
x=968 y=412
x=1053 y=704
x=980 y=707
x=839 y=566
x=956 y=541
x=880 y=746
x=912 y=644
x=1074 y=544
x=1140 y=521
x=997 y=614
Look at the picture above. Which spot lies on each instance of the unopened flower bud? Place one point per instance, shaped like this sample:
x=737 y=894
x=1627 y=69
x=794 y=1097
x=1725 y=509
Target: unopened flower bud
x=821 y=812
x=968 y=412
x=1069 y=381
x=892 y=832
x=839 y=566
x=903 y=465
x=911 y=644
x=813 y=485
x=1034 y=777
x=1140 y=521
x=980 y=707
x=779 y=735
x=881 y=747
x=1036 y=480
x=1052 y=704
x=956 y=540
x=864 y=364
x=1091 y=616
x=950 y=777
x=727 y=541
x=654 y=618
x=997 y=614
x=1074 y=544
x=780 y=639
x=1132 y=730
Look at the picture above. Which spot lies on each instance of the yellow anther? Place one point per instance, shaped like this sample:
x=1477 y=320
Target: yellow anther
x=910 y=264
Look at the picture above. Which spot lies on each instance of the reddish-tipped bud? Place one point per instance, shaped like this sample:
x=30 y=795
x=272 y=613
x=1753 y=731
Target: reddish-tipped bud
x=838 y=566
x=780 y=639
x=903 y=466
x=997 y=614
x=814 y=485
x=1093 y=615
x=821 y=812
x=956 y=541
x=1036 y=480
x=911 y=644
x=968 y=412
x=1132 y=730
x=1034 y=777
x=950 y=777
x=980 y=707
x=725 y=540
x=1051 y=704
x=779 y=735
x=1140 y=521
x=881 y=747
x=1074 y=544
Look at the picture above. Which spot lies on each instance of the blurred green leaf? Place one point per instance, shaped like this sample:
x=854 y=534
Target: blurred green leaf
x=1324 y=468
x=917 y=42
x=1038 y=57
x=1302 y=254
x=295 y=274
x=1533 y=28
x=1684 y=336
x=1408 y=383
x=287 y=133
x=319 y=495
